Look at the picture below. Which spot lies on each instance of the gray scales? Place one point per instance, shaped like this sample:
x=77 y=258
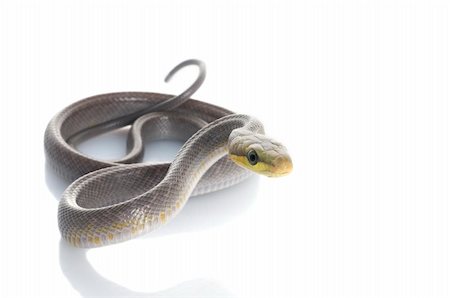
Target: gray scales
x=113 y=201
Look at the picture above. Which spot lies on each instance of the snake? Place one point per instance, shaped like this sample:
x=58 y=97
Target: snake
x=111 y=201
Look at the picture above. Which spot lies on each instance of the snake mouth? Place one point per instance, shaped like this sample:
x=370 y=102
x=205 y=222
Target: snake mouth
x=278 y=167
x=281 y=166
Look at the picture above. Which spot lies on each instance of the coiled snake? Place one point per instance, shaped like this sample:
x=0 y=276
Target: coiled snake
x=113 y=201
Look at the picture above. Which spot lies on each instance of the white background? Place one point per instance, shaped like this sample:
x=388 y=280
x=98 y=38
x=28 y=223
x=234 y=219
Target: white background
x=357 y=91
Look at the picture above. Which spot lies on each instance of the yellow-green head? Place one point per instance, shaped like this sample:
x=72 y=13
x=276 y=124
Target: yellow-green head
x=259 y=153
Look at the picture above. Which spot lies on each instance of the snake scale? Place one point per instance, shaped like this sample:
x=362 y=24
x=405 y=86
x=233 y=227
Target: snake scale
x=113 y=201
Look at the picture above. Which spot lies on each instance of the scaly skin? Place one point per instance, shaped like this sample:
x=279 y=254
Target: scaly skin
x=110 y=202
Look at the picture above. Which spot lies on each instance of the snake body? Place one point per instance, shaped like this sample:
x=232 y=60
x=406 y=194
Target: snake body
x=113 y=201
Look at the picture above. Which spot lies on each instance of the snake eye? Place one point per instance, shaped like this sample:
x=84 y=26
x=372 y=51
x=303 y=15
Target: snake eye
x=252 y=157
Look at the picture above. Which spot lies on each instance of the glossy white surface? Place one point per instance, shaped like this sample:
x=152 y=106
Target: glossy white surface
x=357 y=91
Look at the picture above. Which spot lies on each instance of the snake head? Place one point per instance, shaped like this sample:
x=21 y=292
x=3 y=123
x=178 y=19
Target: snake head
x=259 y=153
